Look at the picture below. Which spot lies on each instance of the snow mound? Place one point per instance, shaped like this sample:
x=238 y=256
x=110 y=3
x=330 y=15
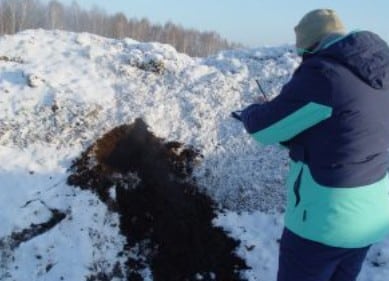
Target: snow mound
x=66 y=89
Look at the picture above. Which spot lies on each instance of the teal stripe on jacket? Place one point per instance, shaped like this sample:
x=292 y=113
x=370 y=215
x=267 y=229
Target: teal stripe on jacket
x=339 y=217
x=290 y=126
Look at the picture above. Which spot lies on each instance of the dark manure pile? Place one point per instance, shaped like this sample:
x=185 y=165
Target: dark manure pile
x=167 y=221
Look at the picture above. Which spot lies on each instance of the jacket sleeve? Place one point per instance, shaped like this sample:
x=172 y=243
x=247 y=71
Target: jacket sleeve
x=302 y=103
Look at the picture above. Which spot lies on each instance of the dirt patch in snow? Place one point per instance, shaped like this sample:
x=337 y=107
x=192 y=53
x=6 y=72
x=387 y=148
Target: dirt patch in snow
x=167 y=221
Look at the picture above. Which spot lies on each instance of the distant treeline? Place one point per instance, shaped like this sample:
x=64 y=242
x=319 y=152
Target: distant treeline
x=17 y=15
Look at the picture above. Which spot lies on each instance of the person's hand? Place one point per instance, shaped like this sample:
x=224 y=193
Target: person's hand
x=259 y=99
x=236 y=115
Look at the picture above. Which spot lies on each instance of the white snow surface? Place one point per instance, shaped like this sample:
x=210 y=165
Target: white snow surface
x=60 y=91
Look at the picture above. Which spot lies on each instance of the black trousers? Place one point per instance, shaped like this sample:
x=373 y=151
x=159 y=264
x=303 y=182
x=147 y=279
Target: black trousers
x=305 y=260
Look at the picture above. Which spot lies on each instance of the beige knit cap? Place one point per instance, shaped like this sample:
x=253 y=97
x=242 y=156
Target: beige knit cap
x=315 y=25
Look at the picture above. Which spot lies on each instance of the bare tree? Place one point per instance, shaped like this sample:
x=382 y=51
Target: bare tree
x=144 y=28
x=9 y=18
x=2 y=15
x=73 y=16
x=98 y=22
x=55 y=15
x=119 y=25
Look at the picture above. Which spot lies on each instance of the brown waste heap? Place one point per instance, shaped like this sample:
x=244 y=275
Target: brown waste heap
x=162 y=213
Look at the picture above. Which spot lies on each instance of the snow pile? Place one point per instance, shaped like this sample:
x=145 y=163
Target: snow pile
x=84 y=85
x=61 y=91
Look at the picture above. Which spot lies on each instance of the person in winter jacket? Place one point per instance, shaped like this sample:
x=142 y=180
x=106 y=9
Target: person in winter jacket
x=333 y=116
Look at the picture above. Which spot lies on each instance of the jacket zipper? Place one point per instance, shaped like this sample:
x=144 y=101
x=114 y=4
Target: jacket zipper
x=296 y=187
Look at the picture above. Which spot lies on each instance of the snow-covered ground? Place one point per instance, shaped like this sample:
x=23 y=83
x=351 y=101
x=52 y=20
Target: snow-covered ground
x=60 y=91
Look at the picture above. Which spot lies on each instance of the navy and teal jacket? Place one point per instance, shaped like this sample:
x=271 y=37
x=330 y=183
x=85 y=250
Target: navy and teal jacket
x=333 y=116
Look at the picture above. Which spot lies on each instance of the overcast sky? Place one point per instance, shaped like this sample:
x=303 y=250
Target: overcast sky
x=251 y=22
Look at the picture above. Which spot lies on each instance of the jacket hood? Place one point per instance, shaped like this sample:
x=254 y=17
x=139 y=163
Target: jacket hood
x=365 y=54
